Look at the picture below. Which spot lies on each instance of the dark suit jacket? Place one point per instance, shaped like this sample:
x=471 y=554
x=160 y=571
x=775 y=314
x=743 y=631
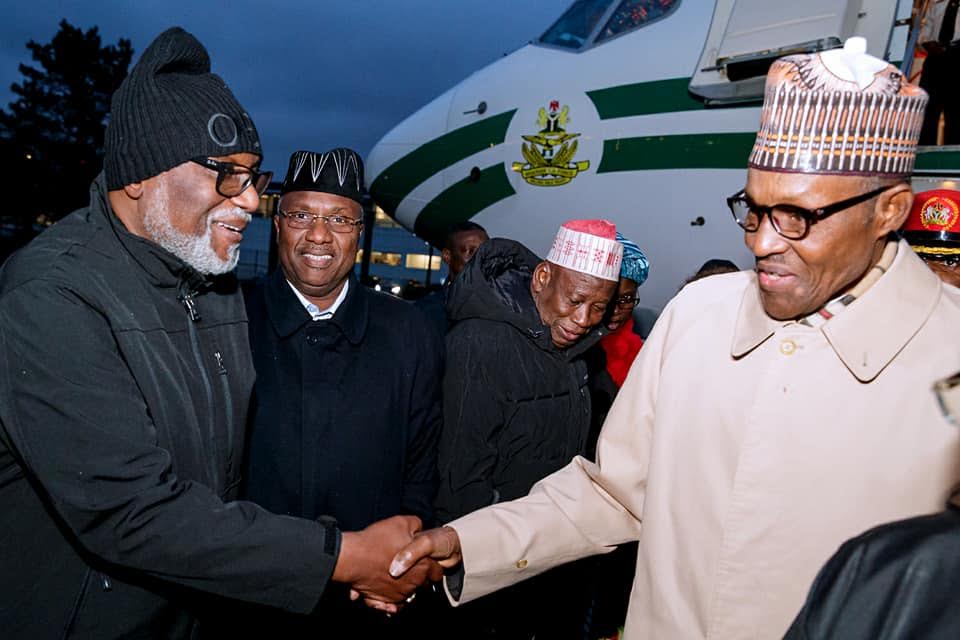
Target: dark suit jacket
x=346 y=414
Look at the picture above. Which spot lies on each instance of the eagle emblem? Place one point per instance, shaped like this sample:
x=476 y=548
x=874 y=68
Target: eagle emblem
x=549 y=154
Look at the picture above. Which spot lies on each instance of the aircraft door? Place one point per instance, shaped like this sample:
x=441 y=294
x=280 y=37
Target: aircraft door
x=746 y=36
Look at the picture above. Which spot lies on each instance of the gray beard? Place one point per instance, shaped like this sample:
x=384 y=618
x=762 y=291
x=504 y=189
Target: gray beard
x=196 y=251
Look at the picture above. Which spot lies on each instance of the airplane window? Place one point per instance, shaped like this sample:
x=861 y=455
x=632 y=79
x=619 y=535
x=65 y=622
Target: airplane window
x=635 y=13
x=576 y=24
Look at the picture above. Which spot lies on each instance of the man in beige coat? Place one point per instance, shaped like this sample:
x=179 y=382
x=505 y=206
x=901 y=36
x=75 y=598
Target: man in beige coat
x=771 y=414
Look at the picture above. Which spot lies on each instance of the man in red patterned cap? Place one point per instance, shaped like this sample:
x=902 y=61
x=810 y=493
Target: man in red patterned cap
x=515 y=398
x=771 y=414
x=933 y=230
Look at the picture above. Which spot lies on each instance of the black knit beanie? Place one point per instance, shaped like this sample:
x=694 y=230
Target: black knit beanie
x=171 y=109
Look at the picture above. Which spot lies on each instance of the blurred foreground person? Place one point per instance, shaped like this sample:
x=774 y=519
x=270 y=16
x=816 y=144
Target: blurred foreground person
x=125 y=375
x=933 y=230
x=771 y=414
x=333 y=430
x=898 y=581
x=515 y=399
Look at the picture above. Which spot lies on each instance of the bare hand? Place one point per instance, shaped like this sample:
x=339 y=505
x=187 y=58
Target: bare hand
x=441 y=545
x=365 y=556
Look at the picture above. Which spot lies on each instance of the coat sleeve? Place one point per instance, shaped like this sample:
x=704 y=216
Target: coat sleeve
x=423 y=435
x=472 y=420
x=583 y=509
x=73 y=417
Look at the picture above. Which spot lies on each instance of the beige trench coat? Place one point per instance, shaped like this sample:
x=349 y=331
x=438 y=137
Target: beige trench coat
x=742 y=452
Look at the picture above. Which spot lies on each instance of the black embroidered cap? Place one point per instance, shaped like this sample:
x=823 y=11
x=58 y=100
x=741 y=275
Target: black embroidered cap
x=169 y=109
x=338 y=171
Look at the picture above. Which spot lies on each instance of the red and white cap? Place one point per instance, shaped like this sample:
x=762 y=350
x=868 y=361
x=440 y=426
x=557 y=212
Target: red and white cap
x=588 y=246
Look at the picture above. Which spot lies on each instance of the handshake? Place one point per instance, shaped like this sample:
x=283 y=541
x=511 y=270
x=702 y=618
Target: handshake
x=385 y=563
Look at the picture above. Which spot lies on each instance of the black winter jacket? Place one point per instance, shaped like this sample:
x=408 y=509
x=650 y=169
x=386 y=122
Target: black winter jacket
x=346 y=415
x=515 y=408
x=124 y=383
x=898 y=581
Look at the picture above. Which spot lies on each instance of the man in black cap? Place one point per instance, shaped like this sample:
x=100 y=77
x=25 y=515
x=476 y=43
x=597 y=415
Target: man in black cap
x=346 y=414
x=125 y=375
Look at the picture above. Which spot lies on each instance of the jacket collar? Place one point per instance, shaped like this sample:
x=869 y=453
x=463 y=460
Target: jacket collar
x=162 y=268
x=872 y=331
x=288 y=316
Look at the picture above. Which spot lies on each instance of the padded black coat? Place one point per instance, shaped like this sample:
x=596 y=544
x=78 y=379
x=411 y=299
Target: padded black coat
x=124 y=383
x=515 y=407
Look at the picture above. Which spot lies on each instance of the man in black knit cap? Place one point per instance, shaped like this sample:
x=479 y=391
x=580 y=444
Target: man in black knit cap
x=125 y=375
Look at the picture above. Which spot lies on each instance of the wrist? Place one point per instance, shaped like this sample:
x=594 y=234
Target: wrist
x=343 y=570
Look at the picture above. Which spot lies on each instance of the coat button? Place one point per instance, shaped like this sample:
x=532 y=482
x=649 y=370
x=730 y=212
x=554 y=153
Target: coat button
x=521 y=564
x=312 y=339
x=788 y=347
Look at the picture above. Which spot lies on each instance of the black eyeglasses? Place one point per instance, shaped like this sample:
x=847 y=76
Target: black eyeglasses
x=626 y=301
x=790 y=221
x=233 y=179
x=305 y=219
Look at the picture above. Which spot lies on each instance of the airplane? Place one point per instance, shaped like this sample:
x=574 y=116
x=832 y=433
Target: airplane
x=642 y=112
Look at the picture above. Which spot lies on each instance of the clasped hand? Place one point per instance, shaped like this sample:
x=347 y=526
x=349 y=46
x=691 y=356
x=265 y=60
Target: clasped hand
x=366 y=555
x=414 y=557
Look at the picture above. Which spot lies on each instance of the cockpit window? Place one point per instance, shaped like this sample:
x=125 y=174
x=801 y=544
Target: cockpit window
x=635 y=13
x=574 y=27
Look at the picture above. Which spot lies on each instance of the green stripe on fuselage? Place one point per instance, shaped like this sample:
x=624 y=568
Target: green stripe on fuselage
x=396 y=181
x=683 y=151
x=938 y=160
x=461 y=201
x=644 y=98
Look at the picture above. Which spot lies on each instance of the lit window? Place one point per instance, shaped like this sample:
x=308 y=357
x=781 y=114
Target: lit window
x=389 y=259
x=268 y=204
x=635 y=13
x=576 y=24
x=419 y=261
x=380 y=257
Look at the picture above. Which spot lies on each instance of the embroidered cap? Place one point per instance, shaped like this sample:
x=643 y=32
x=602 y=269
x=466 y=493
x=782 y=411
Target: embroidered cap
x=933 y=228
x=635 y=265
x=840 y=111
x=588 y=246
x=338 y=171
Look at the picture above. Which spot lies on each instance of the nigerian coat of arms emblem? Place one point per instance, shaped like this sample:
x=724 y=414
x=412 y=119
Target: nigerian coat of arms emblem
x=549 y=154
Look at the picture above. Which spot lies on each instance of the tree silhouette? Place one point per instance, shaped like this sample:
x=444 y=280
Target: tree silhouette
x=51 y=137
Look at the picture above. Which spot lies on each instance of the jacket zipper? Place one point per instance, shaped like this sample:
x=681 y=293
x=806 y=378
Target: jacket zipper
x=227 y=412
x=194 y=315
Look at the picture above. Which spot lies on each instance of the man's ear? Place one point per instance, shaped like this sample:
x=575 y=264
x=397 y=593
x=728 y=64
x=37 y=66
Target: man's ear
x=541 y=277
x=893 y=207
x=276 y=226
x=133 y=191
x=446 y=255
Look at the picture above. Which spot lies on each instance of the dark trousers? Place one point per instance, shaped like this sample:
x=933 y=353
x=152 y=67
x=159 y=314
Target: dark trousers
x=939 y=79
x=551 y=606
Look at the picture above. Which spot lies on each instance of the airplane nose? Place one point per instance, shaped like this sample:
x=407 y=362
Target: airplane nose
x=394 y=168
